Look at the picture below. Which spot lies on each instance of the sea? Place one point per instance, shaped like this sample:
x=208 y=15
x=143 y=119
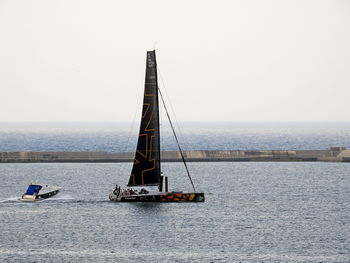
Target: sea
x=253 y=212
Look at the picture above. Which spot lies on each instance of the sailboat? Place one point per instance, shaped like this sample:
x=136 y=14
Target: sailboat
x=146 y=170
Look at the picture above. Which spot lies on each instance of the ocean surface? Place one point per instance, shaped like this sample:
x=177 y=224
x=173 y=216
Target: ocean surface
x=122 y=137
x=254 y=212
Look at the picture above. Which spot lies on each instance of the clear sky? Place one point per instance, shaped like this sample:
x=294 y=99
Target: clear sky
x=245 y=60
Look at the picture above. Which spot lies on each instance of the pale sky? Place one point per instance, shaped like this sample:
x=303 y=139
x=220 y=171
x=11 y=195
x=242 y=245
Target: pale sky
x=244 y=60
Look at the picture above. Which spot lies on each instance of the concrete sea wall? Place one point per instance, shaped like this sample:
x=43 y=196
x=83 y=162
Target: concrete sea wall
x=334 y=154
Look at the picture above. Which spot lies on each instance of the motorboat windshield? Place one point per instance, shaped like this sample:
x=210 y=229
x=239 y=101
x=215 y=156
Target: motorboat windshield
x=33 y=189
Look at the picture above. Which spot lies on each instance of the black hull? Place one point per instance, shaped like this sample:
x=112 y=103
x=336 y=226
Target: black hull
x=163 y=198
x=47 y=195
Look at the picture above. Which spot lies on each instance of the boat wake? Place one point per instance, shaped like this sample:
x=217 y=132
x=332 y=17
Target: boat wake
x=66 y=198
x=52 y=199
x=61 y=197
x=10 y=199
x=57 y=199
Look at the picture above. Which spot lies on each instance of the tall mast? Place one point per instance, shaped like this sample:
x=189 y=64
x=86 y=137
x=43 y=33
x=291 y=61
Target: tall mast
x=158 y=123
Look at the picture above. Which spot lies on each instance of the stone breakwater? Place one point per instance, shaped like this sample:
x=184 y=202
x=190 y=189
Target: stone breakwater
x=334 y=154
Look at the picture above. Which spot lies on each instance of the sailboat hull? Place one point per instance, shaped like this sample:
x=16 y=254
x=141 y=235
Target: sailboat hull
x=162 y=197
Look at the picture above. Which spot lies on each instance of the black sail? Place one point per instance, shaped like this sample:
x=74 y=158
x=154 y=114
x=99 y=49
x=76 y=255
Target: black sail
x=146 y=168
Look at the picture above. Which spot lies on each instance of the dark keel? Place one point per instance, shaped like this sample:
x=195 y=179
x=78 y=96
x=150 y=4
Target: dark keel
x=165 y=197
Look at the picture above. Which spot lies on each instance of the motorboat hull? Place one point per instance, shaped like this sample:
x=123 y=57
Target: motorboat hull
x=33 y=198
x=162 y=197
x=38 y=192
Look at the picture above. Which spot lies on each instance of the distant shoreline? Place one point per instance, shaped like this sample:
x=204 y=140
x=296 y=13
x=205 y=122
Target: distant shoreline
x=182 y=124
x=334 y=154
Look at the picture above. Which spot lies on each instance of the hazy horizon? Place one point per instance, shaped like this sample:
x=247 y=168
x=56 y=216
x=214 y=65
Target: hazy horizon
x=181 y=124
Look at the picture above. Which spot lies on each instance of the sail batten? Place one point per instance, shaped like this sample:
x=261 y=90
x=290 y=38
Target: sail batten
x=146 y=167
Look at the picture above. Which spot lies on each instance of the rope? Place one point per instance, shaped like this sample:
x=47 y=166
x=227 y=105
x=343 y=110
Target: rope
x=182 y=137
x=126 y=147
x=177 y=141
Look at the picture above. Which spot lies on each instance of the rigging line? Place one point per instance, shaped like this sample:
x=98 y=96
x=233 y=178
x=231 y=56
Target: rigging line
x=161 y=131
x=182 y=137
x=133 y=122
x=178 y=145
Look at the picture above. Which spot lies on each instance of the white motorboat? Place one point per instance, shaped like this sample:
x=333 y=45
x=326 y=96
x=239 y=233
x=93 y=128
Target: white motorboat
x=37 y=191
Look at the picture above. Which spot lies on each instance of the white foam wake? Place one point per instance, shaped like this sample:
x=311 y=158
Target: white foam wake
x=10 y=199
x=62 y=197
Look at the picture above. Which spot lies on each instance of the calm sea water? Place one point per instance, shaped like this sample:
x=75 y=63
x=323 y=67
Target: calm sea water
x=254 y=212
x=122 y=137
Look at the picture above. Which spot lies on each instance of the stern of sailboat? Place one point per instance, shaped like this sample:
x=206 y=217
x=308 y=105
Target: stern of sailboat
x=182 y=197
